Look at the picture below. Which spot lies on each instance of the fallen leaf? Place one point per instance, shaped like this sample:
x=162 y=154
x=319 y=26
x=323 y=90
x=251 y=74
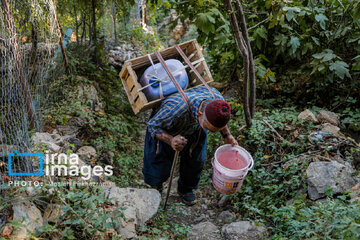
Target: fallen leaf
x=267 y=156
x=7 y=231
x=296 y=133
x=6 y=178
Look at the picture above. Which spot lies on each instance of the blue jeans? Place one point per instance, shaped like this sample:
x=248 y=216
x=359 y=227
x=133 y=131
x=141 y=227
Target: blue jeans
x=158 y=158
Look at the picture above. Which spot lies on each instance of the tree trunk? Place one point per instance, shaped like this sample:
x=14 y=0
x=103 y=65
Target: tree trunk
x=114 y=19
x=252 y=78
x=61 y=40
x=76 y=24
x=93 y=4
x=242 y=48
x=83 y=34
x=10 y=25
x=96 y=47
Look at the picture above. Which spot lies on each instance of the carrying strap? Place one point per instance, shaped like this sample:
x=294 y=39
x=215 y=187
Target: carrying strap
x=194 y=69
x=171 y=76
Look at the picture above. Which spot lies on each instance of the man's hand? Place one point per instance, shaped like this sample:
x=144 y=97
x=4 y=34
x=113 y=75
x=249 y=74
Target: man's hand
x=231 y=140
x=178 y=142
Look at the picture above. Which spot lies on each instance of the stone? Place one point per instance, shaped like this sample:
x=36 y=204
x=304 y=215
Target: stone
x=68 y=131
x=355 y=193
x=6 y=149
x=328 y=117
x=331 y=128
x=356 y=159
x=204 y=231
x=243 y=230
x=200 y=219
x=333 y=174
x=52 y=213
x=107 y=157
x=27 y=211
x=307 y=115
x=32 y=191
x=172 y=42
x=127 y=229
x=222 y=200
x=141 y=204
x=46 y=139
x=88 y=94
x=225 y=217
x=87 y=154
x=76 y=142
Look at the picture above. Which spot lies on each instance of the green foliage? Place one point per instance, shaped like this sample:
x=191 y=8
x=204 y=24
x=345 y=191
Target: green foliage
x=128 y=164
x=335 y=218
x=145 y=42
x=299 y=44
x=328 y=61
x=163 y=226
x=269 y=184
x=85 y=213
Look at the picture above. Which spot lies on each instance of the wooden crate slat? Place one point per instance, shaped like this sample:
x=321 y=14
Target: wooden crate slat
x=130 y=80
x=136 y=83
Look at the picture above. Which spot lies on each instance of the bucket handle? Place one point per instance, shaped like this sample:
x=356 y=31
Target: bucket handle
x=251 y=164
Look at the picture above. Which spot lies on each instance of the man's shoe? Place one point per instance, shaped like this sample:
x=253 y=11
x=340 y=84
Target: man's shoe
x=188 y=198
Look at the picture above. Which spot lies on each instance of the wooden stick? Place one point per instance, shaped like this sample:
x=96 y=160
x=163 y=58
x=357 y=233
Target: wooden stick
x=273 y=129
x=171 y=177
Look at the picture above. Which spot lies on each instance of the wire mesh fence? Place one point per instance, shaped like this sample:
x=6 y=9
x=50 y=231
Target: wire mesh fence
x=28 y=46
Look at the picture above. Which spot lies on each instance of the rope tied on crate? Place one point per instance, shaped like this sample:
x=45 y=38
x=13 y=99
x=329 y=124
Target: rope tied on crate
x=155 y=79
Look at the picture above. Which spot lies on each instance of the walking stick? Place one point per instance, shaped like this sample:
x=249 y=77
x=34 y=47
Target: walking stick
x=171 y=177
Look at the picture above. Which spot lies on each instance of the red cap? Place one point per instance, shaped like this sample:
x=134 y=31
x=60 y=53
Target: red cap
x=218 y=113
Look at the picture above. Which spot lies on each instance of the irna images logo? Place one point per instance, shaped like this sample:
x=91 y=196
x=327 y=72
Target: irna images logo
x=60 y=165
x=16 y=154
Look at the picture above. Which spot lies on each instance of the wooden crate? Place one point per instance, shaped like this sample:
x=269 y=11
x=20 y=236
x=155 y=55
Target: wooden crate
x=134 y=68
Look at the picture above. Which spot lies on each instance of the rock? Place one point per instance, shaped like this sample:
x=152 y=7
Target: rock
x=141 y=204
x=88 y=94
x=355 y=193
x=87 y=154
x=333 y=174
x=200 y=219
x=210 y=213
x=77 y=143
x=225 y=217
x=68 y=131
x=243 y=230
x=172 y=42
x=222 y=200
x=204 y=231
x=107 y=157
x=6 y=149
x=32 y=219
x=356 y=161
x=32 y=191
x=331 y=128
x=127 y=229
x=328 y=117
x=46 y=139
x=307 y=115
x=52 y=213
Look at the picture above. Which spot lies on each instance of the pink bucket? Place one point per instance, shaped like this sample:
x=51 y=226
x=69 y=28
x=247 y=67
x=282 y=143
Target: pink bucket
x=226 y=180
